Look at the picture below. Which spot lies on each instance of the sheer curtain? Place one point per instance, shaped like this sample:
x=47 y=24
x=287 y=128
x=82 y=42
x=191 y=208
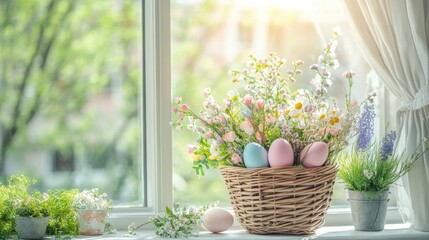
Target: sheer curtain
x=393 y=36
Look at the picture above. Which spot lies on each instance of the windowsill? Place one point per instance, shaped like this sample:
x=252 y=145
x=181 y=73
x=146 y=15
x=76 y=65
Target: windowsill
x=392 y=231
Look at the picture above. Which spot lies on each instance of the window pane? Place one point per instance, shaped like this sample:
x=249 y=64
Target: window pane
x=211 y=37
x=70 y=90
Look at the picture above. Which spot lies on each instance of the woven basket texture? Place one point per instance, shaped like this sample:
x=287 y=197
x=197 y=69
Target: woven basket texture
x=290 y=200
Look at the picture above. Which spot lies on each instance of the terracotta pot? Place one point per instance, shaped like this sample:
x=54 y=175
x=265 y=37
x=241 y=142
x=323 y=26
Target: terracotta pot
x=91 y=222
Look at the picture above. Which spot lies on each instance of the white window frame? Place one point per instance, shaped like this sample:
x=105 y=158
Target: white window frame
x=158 y=153
x=155 y=104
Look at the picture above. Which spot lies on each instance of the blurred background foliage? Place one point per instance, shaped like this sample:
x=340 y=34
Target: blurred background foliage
x=70 y=79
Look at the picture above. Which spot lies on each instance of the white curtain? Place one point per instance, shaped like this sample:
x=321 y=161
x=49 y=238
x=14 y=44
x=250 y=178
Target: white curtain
x=393 y=36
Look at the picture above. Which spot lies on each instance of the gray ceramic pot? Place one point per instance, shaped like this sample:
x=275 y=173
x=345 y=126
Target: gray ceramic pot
x=369 y=213
x=31 y=228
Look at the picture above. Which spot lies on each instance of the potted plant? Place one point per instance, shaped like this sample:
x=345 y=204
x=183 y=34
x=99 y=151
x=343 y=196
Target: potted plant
x=62 y=216
x=32 y=215
x=21 y=211
x=92 y=211
x=368 y=171
x=16 y=202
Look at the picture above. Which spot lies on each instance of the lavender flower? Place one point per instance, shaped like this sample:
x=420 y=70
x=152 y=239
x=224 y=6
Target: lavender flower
x=366 y=127
x=387 y=145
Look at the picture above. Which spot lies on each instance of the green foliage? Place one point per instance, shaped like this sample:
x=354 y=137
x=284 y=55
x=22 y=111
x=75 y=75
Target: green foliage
x=201 y=158
x=19 y=185
x=7 y=224
x=32 y=205
x=367 y=171
x=17 y=188
x=63 y=219
x=17 y=200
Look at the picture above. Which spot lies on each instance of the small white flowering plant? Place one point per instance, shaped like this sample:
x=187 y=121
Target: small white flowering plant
x=91 y=199
x=177 y=222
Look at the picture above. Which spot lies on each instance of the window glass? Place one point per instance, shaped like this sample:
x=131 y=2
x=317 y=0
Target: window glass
x=211 y=37
x=70 y=90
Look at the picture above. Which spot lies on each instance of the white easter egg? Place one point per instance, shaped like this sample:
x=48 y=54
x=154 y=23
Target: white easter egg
x=314 y=154
x=217 y=220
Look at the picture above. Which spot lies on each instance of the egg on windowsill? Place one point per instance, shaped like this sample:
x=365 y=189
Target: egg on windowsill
x=314 y=154
x=217 y=220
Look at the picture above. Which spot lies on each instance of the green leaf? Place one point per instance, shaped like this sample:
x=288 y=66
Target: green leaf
x=169 y=212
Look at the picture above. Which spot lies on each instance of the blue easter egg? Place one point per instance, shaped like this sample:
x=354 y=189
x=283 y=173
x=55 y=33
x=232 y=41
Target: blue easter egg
x=255 y=156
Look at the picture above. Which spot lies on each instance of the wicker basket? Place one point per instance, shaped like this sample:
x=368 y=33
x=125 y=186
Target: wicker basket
x=285 y=201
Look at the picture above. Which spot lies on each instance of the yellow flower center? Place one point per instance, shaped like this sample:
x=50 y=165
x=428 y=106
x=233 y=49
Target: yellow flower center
x=298 y=105
x=295 y=115
x=276 y=113
x=287 y=112
x=336 y=119
x=332 y=122
x=322 y=116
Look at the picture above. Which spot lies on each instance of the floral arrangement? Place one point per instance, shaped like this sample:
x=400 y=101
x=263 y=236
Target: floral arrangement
x=178 y=222
x=371 y=167
x=266 y=107
x=33 y=205
x=91 y=199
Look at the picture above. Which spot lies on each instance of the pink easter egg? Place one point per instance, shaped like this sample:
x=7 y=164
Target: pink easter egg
x=314 y=154
x=280 y=154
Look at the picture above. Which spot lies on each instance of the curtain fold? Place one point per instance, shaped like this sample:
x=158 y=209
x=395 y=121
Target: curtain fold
x=393 y=36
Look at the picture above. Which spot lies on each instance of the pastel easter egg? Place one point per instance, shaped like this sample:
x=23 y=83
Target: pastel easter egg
x=217 y=220
x=280 y=154
x=314 y=154
x=255 y=155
